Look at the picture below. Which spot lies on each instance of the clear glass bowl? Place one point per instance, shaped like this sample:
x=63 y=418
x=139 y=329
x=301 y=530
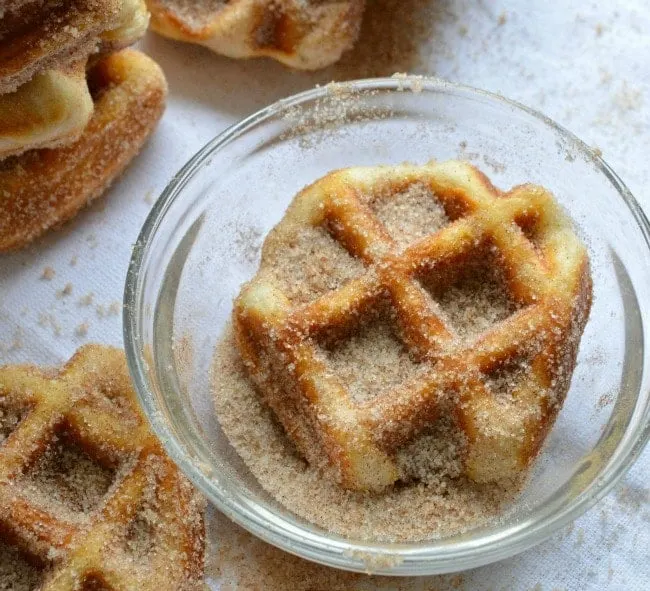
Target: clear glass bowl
x=198 y=245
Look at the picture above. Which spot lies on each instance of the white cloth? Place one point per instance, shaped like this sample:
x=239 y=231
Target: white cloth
x=587 y=66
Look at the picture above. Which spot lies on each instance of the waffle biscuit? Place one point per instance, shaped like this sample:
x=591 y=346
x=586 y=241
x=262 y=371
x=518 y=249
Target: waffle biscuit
x=484 y=294
x=44 y=188
x=37 y=35
x=303 y=34
x=87 y=496
x=54 y=106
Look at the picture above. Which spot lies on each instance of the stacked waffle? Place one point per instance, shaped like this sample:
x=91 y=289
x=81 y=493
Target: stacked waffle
x=75 y=107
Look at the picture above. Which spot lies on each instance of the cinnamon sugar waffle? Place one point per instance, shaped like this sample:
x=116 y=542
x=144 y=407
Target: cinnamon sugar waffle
x=389 y=296
x=52 y=105
x=43 y=188
x=303 y=34
x=87 y=496
x=36 y=35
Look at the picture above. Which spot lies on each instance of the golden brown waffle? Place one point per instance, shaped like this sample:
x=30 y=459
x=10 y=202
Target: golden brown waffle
x=43 y=188
x=483 y=295
x=52 y=105
x=303 y=34
x=37 y=35
x=88 y=499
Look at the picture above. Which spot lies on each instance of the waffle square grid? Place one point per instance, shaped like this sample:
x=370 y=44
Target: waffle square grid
x=522 y=236
x=143 y=530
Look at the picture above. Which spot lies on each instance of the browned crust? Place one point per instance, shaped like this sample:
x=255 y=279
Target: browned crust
x=36 y=38
x=66 y=551
x=303 y=35
x=559 y=362
x=546 y=273
x=44 y=188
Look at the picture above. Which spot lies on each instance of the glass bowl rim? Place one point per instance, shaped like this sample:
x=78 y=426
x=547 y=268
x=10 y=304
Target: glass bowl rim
x=317 y=547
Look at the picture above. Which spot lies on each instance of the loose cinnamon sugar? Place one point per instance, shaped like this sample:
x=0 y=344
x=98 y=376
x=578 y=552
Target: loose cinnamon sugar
x=475 y=306
x=141 y=535
x=475 y=300
x=10 y=416
x=435 y=457
x=342 y=104
x=82 y=329
x=65 y=291
x=248 y=242
x=16 y=341
x=437 y=503
x=46 y=319
x=242 y=561
x=139 y=538
x=86 y=299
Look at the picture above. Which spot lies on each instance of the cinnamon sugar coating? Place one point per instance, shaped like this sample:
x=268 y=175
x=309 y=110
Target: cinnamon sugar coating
x=41 y=189
x=45 y=50
x=88 y=499
x=303 y=34
x=479 y=319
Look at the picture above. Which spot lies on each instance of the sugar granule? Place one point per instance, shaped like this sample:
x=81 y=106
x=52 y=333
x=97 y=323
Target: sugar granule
x=65 y=291
x=82 y=329
x=87 y=299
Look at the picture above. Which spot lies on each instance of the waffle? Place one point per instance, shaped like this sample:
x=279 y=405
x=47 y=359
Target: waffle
x=36 y=35
x=88 y=499
x=52 y=107
x=303 y=34
x=43 y=188
x=132 y=24
x=390 y=296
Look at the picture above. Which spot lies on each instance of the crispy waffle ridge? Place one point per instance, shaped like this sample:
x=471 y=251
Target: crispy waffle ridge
x=88 y=499
x=43 y=188
x=44 y=48
x=486 y=303
x=303 y=34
